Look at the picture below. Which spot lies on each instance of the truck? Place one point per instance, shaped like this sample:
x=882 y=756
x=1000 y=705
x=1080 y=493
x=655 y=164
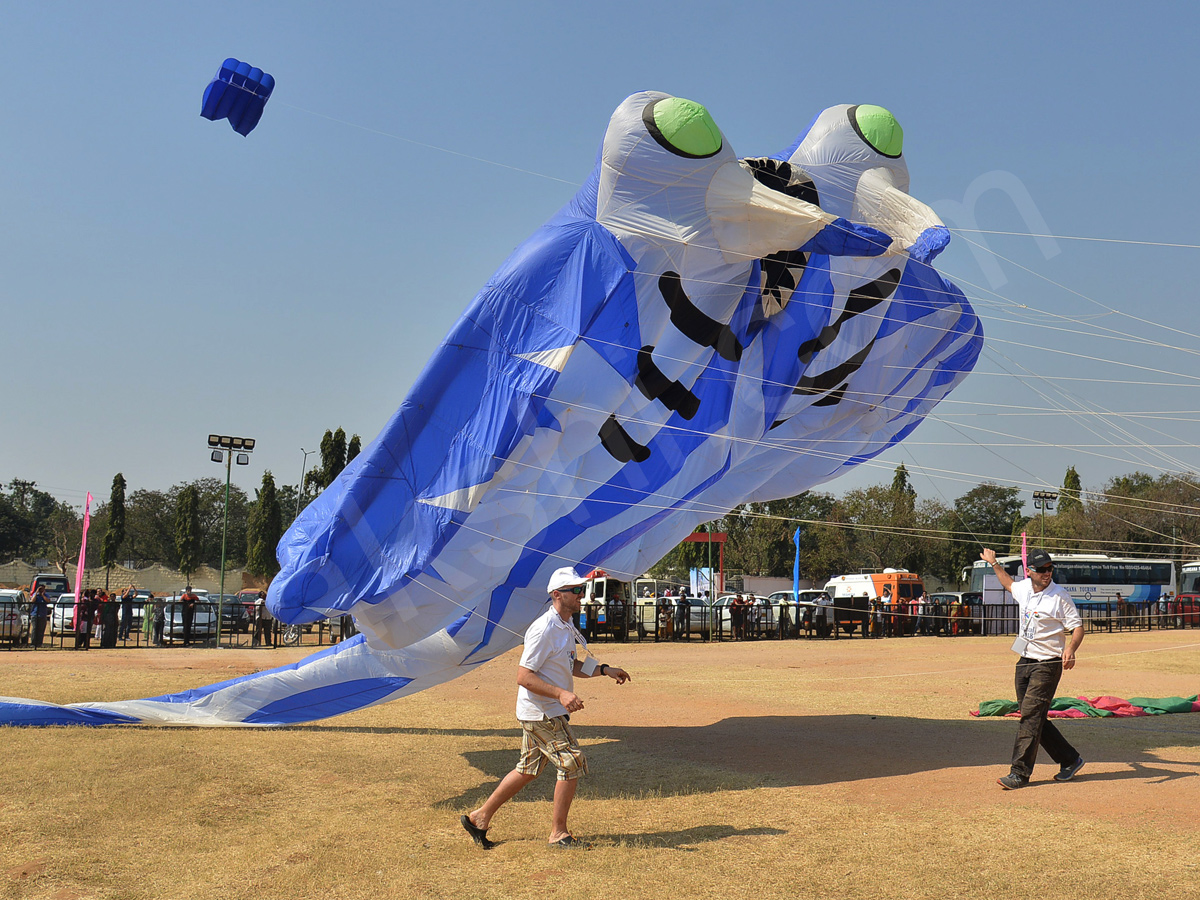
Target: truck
x=852 y=595
x=54 y=583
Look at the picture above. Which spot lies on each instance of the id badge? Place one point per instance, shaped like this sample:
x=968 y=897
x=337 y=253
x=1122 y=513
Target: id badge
x=1020 y=645
x=588 y=665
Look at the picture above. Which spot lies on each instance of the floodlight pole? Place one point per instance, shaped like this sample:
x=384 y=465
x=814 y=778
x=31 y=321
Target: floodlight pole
x=303 y=468
x=224 y=534
x=224 y=443
x=1042 y=500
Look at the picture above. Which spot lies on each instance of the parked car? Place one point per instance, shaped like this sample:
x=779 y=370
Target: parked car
x=62 y=615
x=14 y=617
x=699 y=618
x=204 y=620
x=236 y=615
x=760 y=615
x=801 y=608
x=649 y=610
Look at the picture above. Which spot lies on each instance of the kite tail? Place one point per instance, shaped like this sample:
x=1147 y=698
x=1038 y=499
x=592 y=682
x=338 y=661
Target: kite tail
x=340 y=679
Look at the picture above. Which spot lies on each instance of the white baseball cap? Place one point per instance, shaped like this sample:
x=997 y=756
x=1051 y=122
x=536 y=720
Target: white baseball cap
x=562 y=578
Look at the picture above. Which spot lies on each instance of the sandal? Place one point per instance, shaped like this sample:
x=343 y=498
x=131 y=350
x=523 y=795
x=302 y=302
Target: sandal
x=571 y=841
x=479 y=835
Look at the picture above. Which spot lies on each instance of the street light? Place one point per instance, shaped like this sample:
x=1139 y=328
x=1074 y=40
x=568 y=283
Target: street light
x=223 y=447
x=303 y=467
x=1044 y=500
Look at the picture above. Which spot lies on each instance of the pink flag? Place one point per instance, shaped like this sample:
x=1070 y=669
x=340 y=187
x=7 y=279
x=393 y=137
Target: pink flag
x=87 y=520
x=1024 y=557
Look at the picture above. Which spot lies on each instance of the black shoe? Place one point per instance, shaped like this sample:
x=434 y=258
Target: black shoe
x=1011 y=782
x=1067 y=772
x=479 y=835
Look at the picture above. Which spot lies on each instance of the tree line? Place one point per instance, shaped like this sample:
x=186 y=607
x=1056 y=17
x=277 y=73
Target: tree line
x=888 y=525
x=180 y=528
x=880 y=526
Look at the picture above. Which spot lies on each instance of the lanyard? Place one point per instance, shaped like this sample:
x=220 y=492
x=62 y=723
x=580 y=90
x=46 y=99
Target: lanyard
x=1027 y=615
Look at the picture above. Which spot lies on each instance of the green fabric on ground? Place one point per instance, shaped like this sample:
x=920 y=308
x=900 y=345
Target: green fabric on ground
x=1162 y=705
x=997 y=707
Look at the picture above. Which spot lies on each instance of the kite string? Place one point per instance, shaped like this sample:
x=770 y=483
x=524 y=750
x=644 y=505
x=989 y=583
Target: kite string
x=984 y=668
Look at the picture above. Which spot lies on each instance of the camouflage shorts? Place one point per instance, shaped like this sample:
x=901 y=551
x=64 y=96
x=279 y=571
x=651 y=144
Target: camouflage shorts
x=553 y=740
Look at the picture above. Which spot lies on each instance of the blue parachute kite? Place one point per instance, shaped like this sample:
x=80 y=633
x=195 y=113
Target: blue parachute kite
x=691 y=332
x=238 y=93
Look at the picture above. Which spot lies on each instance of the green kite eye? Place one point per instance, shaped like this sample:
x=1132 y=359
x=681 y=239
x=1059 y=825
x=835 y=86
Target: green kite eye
x=879 y=129
x=683 y=126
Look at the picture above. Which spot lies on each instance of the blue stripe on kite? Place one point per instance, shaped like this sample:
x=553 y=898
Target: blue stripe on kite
x=40 y=715
x=329 y=700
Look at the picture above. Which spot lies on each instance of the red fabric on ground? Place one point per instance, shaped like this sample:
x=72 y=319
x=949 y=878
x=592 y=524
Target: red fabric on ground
x=1115 y=705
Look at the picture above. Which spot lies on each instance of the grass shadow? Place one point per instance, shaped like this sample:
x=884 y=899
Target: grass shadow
x=781 y=751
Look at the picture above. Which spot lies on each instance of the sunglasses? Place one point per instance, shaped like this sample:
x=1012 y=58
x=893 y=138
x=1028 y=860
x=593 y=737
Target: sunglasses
x=577 y=590
x=1042 y=570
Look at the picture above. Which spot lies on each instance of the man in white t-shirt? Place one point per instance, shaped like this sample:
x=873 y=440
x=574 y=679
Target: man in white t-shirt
x=1051 y=630
x=545 y=700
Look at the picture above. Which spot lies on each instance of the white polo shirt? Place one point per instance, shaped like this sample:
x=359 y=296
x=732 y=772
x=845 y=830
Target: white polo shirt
x=1045 y=619
x=550 y=652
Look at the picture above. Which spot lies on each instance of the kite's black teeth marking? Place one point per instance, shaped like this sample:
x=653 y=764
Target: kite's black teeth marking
x=777 y=175
x=694 y=324
x=861 y=299
x=826 y=381
x=619 y=444
x=656 y=386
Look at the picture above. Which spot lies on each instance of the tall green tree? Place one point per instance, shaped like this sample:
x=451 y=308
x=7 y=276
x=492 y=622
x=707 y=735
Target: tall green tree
x=1070 y=497
x=264 y=529
x=1141 y=515
x=353 y=448
x=114 y=536
x=14 y=529
x=187 y=531
x=983 y=517
x=333 y=460
x=900 y=484
x=150 y=528
x=25 y=520
x=210 y=496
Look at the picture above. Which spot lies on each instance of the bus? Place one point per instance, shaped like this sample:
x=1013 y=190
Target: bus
x=1185 y=610
x=1094 y=579
x=1189 y=582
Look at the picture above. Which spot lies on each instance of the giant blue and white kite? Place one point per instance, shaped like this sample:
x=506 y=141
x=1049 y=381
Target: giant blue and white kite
x=692 y=331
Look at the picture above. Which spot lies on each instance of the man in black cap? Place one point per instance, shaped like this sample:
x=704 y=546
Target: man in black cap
x=1051 y=630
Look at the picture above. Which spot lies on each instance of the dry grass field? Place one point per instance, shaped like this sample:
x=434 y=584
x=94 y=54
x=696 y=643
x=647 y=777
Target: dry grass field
x=759 y=770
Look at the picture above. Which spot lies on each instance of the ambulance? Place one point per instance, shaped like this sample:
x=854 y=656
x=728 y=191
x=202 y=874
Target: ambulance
x=606 y=607
x=852 y=594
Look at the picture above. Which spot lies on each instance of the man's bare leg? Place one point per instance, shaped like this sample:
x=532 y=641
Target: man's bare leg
x=508 y=788
x=564 y=793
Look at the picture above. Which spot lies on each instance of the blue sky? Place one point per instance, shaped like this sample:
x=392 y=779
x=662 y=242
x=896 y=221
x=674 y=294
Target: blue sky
x=162 y=277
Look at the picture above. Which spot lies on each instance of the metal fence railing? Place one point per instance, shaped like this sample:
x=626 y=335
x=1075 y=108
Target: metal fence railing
x=163 y=624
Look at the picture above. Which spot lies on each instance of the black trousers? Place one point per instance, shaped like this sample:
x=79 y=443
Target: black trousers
x=1036 y=683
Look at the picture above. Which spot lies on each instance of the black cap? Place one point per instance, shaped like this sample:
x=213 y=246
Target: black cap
x=1038 y=558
